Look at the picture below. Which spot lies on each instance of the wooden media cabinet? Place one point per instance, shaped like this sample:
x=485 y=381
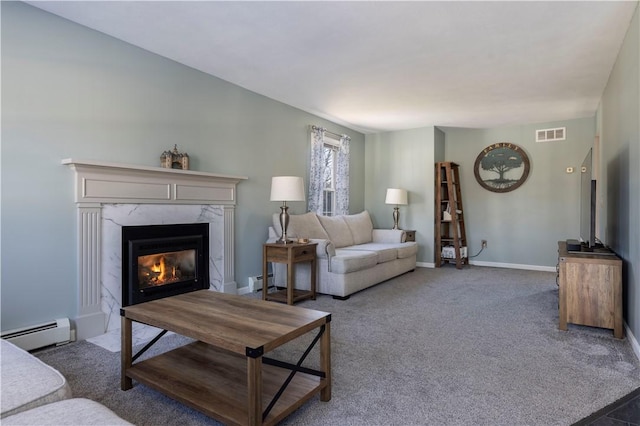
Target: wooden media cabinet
x=590 y=289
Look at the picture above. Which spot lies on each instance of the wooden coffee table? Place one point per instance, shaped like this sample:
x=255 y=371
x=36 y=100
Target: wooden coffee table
x=225 y=374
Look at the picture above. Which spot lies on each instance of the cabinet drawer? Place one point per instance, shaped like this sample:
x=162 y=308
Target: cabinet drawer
x=279 y=253
x=304 y=253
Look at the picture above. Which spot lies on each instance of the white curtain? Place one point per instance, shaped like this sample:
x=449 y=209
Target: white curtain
x=342 y=176
x=316 y=171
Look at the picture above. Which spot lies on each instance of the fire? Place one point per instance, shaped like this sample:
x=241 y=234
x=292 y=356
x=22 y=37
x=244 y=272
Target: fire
x=164 y=268
x=160 y=268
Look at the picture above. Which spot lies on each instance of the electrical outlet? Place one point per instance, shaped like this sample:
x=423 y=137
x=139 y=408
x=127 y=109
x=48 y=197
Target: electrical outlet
x=484 y=243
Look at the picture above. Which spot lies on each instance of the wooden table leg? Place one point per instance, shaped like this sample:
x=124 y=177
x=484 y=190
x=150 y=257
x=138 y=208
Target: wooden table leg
x=290 y=277
x=325 y=362
x=125 y=353
x=254 y=390
x=313 y=278
x=265 y=276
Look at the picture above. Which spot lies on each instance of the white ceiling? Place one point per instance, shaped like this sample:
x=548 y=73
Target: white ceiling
x=377 y=66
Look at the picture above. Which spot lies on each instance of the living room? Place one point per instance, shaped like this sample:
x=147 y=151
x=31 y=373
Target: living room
x=73 y=92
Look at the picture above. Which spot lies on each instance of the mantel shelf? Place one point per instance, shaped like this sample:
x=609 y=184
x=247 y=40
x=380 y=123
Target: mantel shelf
x=133 y=167
x=104 y=182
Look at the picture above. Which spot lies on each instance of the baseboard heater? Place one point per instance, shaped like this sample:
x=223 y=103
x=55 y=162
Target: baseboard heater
x=56 y=332
x=255 y=283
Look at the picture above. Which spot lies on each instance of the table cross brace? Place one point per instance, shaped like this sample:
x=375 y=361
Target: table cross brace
x=294 y=369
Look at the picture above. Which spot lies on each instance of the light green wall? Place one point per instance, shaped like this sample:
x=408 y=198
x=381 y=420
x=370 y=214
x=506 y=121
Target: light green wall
x=619 y=121
x=68 y=91
x=523 y=226
x=403 y=159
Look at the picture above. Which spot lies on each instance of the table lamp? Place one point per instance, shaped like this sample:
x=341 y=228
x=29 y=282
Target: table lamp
x=398 y=197
x=286 y=188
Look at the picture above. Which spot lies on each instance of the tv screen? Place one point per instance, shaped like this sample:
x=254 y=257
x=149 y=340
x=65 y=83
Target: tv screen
x=587 y=203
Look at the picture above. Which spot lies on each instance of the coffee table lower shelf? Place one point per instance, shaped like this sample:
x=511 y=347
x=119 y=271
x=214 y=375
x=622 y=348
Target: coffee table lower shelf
x=214 y=382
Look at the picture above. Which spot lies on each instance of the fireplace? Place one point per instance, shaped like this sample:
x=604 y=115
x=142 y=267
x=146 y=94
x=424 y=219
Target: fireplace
x=163 y=260
x=110 y=196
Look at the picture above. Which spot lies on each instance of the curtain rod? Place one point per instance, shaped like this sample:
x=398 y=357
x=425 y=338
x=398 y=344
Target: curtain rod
x=330 y=133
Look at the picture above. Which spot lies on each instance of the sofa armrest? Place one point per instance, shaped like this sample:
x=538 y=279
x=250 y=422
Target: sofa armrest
x=389 y=236
x=273 y=236
x=325 y=248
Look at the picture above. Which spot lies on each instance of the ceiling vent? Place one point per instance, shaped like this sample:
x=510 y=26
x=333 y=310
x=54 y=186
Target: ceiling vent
x=550 y=135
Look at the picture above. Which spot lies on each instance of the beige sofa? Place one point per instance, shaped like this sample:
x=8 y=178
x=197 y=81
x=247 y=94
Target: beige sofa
x=34 y=393
x=351 y=255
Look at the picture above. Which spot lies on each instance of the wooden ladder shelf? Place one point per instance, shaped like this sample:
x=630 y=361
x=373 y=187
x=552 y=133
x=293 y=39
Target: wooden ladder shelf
x=449 y=218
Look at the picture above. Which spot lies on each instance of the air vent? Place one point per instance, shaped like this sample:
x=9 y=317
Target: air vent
x=550 y=135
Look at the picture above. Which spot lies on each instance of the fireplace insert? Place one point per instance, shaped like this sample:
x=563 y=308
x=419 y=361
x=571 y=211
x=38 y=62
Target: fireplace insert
x=163 y=260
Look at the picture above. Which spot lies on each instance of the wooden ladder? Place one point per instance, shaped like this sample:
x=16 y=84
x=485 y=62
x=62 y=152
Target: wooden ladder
x=449 y=232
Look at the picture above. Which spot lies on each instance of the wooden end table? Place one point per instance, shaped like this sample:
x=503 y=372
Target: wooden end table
x=290 y=253
x=225 y=373
x=411 y=234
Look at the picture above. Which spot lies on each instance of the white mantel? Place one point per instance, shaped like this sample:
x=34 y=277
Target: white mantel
x=103 y=182
x=128 y=188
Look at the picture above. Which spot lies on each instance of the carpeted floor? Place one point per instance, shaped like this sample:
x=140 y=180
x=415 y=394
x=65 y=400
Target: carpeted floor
x=478 y=346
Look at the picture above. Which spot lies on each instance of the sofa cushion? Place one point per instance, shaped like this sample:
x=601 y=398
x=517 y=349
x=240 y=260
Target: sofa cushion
x=407 y=249
x=360 y=226
x=385 y=252
x=301 y=226
x=75 y=411
x=346 y=261
x=26 y=382
x=337 y=230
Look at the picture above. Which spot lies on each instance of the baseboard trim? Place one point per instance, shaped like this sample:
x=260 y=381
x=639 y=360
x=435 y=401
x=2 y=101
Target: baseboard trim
x=425 y=265
x=513 y=266
x=244 y=290
x=632 y=339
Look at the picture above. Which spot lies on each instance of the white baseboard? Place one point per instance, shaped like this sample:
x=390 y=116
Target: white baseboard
x=513 y=266
x=632 y=339
x=244 y=290
x=497 y=265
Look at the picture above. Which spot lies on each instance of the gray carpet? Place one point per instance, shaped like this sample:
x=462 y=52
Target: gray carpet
x=478 y=346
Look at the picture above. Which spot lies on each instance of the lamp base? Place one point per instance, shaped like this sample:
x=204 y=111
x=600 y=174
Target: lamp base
x=284 y=224
x=396 y=217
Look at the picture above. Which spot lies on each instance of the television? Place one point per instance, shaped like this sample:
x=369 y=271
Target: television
x=587 y=203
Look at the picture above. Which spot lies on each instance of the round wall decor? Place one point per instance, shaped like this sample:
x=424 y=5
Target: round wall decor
x=501 y=167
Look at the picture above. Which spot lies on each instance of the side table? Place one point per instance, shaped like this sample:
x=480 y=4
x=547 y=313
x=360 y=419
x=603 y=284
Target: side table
x=290 y=253
x=411 y=234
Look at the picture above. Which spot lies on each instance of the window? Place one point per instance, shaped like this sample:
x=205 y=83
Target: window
x=329 y=173
x=330 y=151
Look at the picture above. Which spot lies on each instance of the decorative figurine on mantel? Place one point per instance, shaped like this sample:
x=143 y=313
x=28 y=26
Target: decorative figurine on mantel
x=174 y=159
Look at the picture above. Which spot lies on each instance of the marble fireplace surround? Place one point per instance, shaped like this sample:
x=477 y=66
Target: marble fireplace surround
x=109 y=196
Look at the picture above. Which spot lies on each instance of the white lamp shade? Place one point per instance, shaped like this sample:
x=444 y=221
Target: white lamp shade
x=396 y=196
x=287 y=188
